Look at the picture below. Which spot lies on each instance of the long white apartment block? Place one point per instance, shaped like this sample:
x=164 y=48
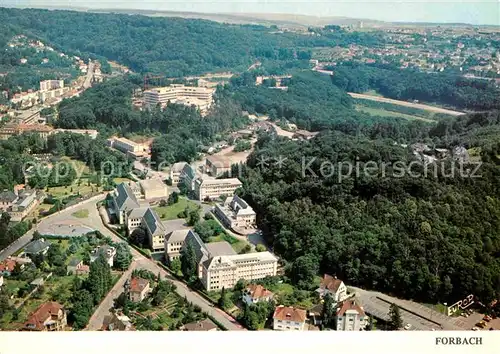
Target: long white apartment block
x=202 y=97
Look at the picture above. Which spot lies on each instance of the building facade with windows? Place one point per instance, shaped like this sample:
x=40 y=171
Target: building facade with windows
x=235 y=213
x=287 y=318
x=201 y=97
x=215 y=188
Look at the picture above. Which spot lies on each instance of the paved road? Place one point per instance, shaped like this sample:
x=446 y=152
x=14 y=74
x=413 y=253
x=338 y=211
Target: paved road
x=50 y=221
x=372 y=304
x=90 y=74
x=151 y=265
x=97 y=319
x=406 y=104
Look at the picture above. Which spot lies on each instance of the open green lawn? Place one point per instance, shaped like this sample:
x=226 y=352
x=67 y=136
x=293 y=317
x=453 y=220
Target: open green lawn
x=385 y=113
x=83 y=189
x=81 y=214
x=170 y=212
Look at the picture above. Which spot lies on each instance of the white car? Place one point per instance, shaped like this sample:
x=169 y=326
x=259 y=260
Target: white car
x=408 y=326
x=475 y=329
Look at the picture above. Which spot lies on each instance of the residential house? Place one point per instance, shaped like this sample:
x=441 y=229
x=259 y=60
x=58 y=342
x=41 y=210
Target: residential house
x=49 y=316
x=124 y=201
x=138 y=289
x=204 y=325
x=350 y=316
x=289 y=319
x=153 y=189
x=40 y=246
x=235 y=213
x=76 y=267
x=7 y=198
x=255 y=293
x=117 y=322
x=106 y=251
x=176 y=172
x=7 y=267
x=333 y=286
x=216 y=165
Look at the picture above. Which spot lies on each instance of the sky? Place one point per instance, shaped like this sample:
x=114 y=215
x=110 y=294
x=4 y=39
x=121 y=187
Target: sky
x=441 y=11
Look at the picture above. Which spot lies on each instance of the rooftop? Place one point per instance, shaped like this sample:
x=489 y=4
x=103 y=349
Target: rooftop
x=219 y=161
x=125 y=198
x=152 y=184
x=285 y=313
x=178 y=167
x=222 y=248
x=214 y=181
x=37 y=319
x=177 y=235
x=330 y=283
x=257 y=291
x=153 y=222
x=350 y=305
x=36 y=246
x=137 y=285
x=205 y=325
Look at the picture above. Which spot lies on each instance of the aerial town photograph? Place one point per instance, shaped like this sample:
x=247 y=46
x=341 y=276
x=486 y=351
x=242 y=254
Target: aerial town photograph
x=251 y=166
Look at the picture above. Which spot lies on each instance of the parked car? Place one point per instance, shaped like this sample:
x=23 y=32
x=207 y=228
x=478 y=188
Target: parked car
x=487 y=318
x=407 y=327
x=475 y=329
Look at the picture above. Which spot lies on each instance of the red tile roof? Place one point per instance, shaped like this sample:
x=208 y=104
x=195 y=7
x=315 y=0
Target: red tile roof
x=7 y=265
x=350 y=305
x=42 y=314
x=258 y=291
x=285 y=313
x=330 y=283
x=138 y=284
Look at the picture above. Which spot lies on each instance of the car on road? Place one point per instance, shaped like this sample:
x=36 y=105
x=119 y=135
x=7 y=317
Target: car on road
x=407 y=327
x=487 y=318
x=475 y=329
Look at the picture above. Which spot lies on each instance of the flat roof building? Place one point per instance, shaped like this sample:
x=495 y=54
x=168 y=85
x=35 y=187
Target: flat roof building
x=201 y=97
x=216 y=165
x=215 y=188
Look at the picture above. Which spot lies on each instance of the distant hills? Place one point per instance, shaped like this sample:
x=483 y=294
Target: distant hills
x=291 y=21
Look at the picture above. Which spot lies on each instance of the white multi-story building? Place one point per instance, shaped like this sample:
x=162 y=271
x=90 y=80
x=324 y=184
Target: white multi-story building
x=289 y=319
x=48 y=85
x=176 y=172
x=202 y=97
x=215 y=188
x=218 y=265
x=350 y=317
x=333 y=286
x=128 y=146
x=235 y=213
x=225 y=271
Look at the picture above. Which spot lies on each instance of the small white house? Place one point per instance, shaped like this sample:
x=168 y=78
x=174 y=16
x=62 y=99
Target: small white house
x=256 y=293
x=333 y=286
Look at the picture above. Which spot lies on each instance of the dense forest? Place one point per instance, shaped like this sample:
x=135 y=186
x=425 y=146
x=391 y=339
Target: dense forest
x=313 y=103
x=452 y=90
x=171 y=46
x=432 y=238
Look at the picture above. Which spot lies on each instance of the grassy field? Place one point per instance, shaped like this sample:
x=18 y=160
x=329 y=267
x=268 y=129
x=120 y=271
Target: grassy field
x=385 y=113
x=81 y=214
x=170 y=212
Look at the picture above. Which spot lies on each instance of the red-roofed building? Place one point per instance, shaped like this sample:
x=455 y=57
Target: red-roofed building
x=289 y=319
x=139 y=289
x=49 y=316
x=256 y=293
x=350 y=317
x=333 y=286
